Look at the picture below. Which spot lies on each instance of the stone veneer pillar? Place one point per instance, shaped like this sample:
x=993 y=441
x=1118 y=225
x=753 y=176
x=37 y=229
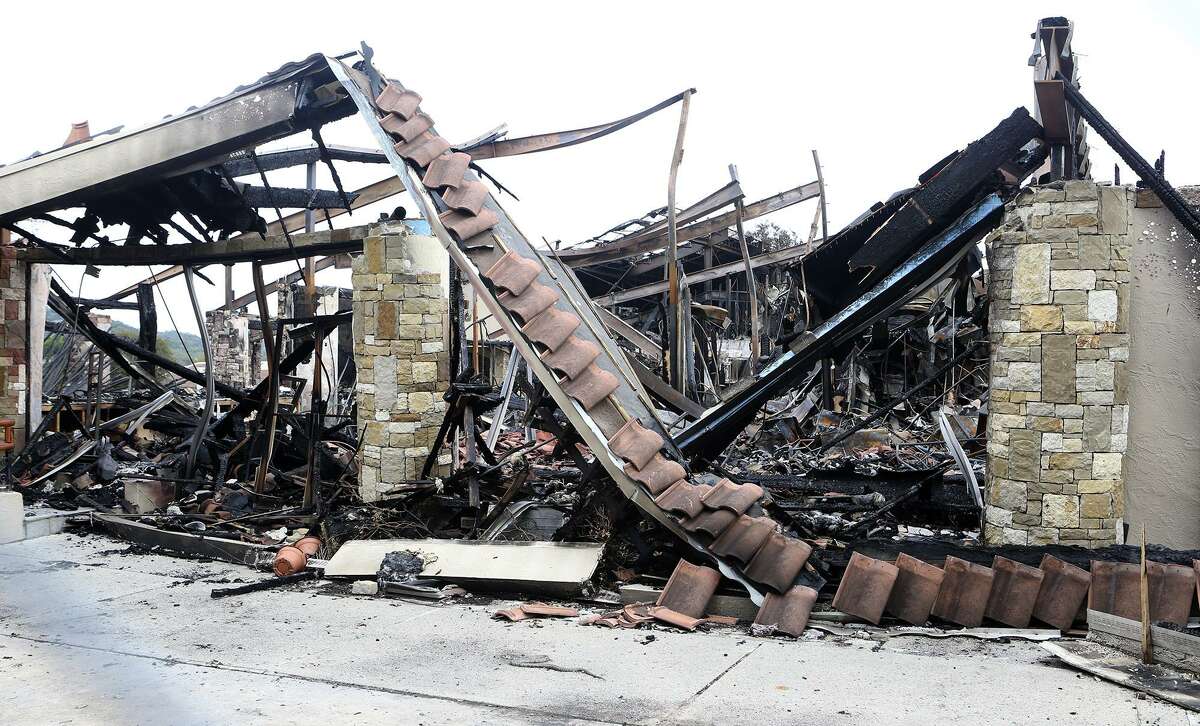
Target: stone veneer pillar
x=14 y=337
x=400 y=323
x=229 y=334
x=1059 y=282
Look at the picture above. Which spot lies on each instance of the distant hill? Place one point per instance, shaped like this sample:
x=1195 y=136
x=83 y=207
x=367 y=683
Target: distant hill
x=168 y=343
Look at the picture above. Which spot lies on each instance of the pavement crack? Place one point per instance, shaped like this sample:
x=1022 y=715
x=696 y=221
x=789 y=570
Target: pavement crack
x=710 y=684
x=529 y=713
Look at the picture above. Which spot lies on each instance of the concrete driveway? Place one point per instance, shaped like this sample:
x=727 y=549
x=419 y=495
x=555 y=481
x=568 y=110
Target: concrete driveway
x=91 y=633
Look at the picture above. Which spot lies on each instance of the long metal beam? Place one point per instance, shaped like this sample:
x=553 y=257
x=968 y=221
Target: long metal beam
x=712 y=273
x=252 y=115
x=607 y=253
x=655 y=235
x=241 y=249
x=490 y=149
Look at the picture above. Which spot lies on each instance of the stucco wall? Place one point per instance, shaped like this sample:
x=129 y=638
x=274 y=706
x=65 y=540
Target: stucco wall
x=1163 y=462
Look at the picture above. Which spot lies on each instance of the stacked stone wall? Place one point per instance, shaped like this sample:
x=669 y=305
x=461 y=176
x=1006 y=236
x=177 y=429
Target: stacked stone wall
x=400 y=312
x=14 y=370
x=1059 y=281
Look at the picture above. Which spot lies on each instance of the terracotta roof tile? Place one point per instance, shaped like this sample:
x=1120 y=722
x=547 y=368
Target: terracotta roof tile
x=466 y=197
x=414 y=127
x=1064 y=588
x=963 y=597
x=682 y=498
x=466 y=226
x=779 y=561
x=742 y=539
x=513 y=273
x=395 y=99
x=679 y=620
x=1014 y=592
x=659 y=474
x=423 y=149
x=736 y=498
x=865 y=587
x=787 y=613
x=447 y=171
x=1115 y=589
x=592 y=386
x=551 y=328
x=1172 y=590
x=532 y=302
x=635 y=443
x=711 y=521
x=689 y=589
x=572 y=356
x=915 y=591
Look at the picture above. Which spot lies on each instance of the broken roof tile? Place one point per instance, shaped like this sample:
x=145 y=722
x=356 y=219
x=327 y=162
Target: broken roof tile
x=466 y=226
x=635 y=443
x=551 y=328
x=1064 y=588
x=466 y=197
x=787 y=613
x=865 y=587
x=592 y=386
x=779 y=561
x=572 y=356
x=963 y=596
x=1014 y=592
x=682 y=498
x=711 y=521
x=535 y=300
x=736 y=498
x=513 y=273
x=541 y=609
x=678 y=619
x=916 y=589
x=447 y=170
x=689 y=589
x=397 y=100
x=659 y=474
x=741 y=540
x=513 y=614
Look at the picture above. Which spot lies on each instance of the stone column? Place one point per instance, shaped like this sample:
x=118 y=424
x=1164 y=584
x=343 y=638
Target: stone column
x=1060 y=341
x=400 y=310
x=14 y=339
x=229 y=333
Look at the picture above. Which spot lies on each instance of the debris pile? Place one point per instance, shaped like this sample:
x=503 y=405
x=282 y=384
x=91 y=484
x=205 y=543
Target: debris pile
x=676 y=421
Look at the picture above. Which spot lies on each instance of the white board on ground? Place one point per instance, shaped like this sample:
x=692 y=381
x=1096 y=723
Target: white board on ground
x=549 y=567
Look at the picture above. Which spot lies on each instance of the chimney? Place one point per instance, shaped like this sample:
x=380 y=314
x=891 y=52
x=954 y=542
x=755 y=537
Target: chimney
x=79 y=132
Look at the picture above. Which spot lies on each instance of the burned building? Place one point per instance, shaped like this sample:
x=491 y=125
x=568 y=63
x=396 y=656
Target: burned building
x=935 y=411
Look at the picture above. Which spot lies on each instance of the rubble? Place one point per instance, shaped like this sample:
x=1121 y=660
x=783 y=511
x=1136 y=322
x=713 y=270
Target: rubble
x=676 y=421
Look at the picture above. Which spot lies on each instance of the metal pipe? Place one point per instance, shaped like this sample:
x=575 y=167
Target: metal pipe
x=210 y=393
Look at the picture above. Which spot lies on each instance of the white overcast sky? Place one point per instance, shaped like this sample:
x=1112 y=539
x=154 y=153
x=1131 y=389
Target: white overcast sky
x=882 y=90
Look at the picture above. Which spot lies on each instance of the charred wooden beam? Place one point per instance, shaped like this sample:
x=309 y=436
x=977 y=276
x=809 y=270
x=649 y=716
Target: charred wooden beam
x=274 y=248
x=241 y=165
x=293 y=198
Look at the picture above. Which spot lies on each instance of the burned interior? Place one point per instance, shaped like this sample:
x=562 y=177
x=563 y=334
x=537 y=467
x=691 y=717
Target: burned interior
x=695 y=418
